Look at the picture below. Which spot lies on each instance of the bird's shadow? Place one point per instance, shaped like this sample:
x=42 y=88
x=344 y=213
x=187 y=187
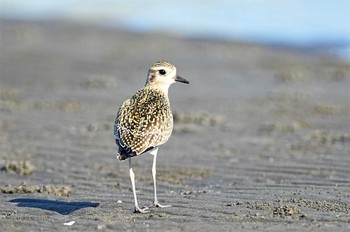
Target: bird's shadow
x=61 y=207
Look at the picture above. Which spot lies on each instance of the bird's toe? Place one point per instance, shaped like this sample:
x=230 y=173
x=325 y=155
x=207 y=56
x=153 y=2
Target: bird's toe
x=141 y=210
x=157 y=205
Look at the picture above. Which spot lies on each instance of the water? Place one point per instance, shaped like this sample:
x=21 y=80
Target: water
x=311 y=25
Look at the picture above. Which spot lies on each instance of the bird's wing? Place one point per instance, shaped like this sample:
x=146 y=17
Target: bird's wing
x=143 y=122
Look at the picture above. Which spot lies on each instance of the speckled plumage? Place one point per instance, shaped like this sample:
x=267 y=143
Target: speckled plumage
x=144 y=122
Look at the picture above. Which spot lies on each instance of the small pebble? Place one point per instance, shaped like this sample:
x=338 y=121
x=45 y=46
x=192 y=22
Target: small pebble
x=69 y=223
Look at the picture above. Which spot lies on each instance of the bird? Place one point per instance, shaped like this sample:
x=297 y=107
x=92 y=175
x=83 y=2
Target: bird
x=145 y=121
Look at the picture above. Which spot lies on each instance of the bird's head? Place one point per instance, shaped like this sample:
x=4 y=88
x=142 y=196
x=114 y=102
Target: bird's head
x=162 y=74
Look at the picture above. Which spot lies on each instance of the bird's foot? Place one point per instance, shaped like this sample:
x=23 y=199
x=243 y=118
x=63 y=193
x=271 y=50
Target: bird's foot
x=157 y=205
x=141 y=210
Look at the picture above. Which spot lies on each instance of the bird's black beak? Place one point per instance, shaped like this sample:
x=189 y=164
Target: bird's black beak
x=181 y=79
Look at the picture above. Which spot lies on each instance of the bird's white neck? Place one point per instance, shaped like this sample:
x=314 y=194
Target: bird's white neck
x=162 y=87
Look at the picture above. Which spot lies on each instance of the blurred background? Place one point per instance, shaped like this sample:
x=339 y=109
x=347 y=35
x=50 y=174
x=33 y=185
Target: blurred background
x=311 y=26
x=263 y=126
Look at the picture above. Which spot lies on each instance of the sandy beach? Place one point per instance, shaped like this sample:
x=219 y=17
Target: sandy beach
x=260 y=143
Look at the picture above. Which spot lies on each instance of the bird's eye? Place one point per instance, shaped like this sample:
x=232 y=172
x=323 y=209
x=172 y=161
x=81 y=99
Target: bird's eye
x=162 y=72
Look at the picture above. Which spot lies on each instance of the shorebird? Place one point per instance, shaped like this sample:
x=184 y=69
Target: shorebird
x=144 y=122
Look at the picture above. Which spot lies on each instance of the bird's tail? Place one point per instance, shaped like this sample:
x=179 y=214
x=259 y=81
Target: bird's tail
x=122 y=157
x=125 y=154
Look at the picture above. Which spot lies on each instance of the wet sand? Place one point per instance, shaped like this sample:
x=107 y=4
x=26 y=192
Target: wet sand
x=261 y=138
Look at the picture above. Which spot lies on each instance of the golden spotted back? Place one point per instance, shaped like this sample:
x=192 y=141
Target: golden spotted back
x=143 y=122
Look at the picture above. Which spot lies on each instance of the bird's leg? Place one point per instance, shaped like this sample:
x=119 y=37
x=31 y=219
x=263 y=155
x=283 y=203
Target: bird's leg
x=154 y=173
x=132 y=177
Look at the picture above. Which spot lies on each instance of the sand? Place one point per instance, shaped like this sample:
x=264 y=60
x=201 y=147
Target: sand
x=261 y=138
